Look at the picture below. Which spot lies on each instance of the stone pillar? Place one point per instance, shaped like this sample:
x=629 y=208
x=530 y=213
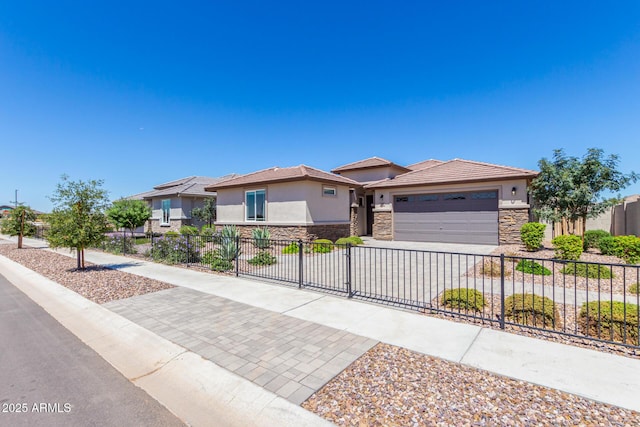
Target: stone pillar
x=382 y=225
x=353 y=225
x=509 y=223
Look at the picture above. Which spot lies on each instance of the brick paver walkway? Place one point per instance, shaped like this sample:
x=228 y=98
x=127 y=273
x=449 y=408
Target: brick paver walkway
x=290 y=357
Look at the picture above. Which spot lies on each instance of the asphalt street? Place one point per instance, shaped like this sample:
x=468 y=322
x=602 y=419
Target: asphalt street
x=48 y=377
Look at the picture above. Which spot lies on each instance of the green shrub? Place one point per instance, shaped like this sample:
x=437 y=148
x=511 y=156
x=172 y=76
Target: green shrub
x=532 y=267
x=208 y=233
x=531 y=310
x=118 y=244
x=216 y=262
x=171 y=234
x=634 y=289
x=532 y=234
x=291 y=248
x=189 y=230
x=592 y=238
x=608 y=246
x=463 y=299
x=353 y=240
x=263 y=258
x=628 y=248
x=261 y=237
x=322 y=246
x=592 y=271
x=567 y=247
x=174 y=250
x=609 y=320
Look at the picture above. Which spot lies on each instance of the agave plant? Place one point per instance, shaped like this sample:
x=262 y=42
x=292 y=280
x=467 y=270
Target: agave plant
x=229 y=249
x=261 y=237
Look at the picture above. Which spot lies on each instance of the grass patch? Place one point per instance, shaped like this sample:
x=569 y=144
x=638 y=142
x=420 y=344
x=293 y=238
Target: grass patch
x=592 y=271
x=463 y=299
x=532 y=267
x=531 y=310
x=610 y=320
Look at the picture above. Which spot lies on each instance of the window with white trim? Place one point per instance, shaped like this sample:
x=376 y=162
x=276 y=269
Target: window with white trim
x=255 y=205
x=166 y=212
x=329 y=191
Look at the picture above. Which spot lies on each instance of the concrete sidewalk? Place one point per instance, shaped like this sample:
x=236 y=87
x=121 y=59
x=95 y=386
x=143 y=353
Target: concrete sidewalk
x=600 y=376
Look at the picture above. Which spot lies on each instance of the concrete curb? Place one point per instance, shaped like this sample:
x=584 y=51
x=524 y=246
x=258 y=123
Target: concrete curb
x=196 y=390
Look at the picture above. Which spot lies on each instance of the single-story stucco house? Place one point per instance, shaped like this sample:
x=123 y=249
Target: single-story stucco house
x=172 y=202
x=455 y=201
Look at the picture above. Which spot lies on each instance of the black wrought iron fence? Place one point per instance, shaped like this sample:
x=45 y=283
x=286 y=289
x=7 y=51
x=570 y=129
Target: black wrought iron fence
x=580 y=299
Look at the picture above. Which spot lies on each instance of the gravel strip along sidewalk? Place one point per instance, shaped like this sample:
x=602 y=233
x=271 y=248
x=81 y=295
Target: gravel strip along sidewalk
x=387 y=386
x=96 y=283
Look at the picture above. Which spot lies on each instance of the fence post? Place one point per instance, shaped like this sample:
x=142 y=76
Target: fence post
x=502 y=291
x=300 y=268
x=237 y=253
x=349 y=291
x=187 y=248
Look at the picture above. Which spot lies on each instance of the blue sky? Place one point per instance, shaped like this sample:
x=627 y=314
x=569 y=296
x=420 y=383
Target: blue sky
x=140 y=94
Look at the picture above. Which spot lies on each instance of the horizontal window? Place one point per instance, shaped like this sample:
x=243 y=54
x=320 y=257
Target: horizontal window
x=329 y=191
x=455 y=196
x=484 y=195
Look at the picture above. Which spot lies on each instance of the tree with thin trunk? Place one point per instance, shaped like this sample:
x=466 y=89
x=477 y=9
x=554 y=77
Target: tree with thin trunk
x=78 y=220
x=572 y=189
x=129 y=214
x=19 y=223
x=207 y=213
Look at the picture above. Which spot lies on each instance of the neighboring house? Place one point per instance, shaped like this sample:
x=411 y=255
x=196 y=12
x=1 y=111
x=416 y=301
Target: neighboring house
x=172 y=202
x=5 y=210
x=298 y=202
x=457 y=201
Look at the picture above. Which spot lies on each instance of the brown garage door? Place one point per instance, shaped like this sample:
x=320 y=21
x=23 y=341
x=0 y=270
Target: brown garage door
x=456 y=217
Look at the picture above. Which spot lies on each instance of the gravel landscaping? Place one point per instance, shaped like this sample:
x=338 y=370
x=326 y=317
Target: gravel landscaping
x=392 y=386
x=96 y=283
x=387 y=386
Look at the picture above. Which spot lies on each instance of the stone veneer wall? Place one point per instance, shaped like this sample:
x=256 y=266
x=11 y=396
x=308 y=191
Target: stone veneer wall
x=174 y=225
x=509 y=223
x=382 y=225
x=294 y=232
x=353 y=226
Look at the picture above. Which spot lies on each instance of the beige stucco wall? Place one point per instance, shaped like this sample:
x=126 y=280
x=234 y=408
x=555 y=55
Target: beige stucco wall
x=368 y=175
x=289 y=203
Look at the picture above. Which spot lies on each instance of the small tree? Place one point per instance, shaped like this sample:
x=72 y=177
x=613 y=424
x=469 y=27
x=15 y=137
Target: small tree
x=206 y=213
x=77 y=220
x=130 y=214
x=19 y=223
x=571 y=188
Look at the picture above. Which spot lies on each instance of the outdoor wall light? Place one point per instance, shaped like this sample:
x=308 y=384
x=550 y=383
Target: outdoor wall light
x=381 y=196
x=513 y=191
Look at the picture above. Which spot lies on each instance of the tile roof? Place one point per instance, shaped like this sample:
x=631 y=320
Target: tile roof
x=278 y=174
x=454 y=171
x=424 y=164
x=371 y=162
x=189 y=186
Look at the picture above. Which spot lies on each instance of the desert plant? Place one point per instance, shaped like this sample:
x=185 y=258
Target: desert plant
x=322 y=246
x=592 y=238
x=215 y=261
x=189 y=230
x=531 y=235
x=229 y=248
x=608 y=246
x=463 y=299
x=634 y=289
x=610 y=320
x=208 y=233
x=567 y=247
x=119 y=244
x=263 y=258
x=531 y=267
x=352 y=240
x=531 y=310
x=291 y=248
x=628 y=248
x=261 y=237
x=592 y=271
x=492 y=268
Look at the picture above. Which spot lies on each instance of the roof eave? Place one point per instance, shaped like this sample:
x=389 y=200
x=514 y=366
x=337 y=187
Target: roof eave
x=430 y=184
